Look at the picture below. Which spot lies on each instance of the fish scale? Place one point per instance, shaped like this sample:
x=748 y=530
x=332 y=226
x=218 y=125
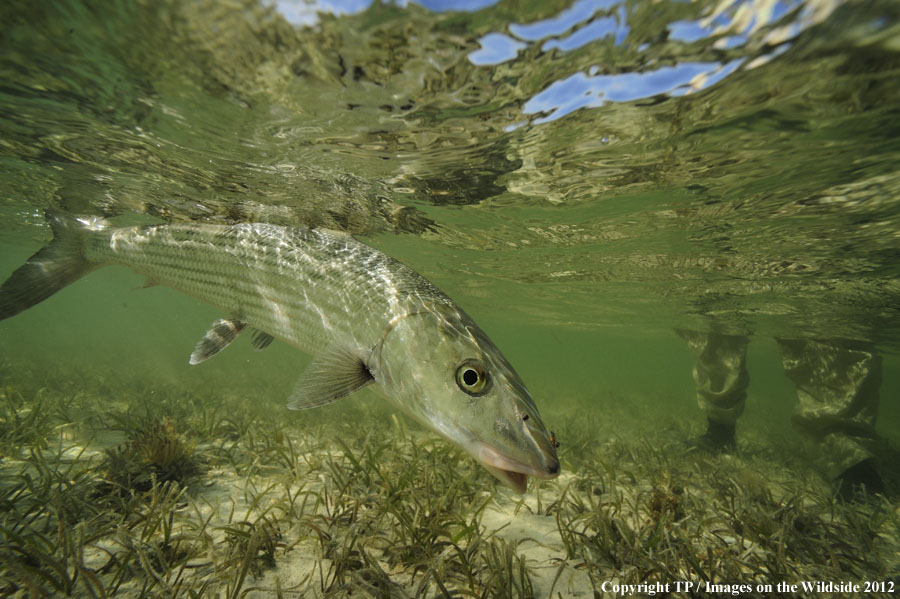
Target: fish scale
x=245 y=270
x=365 y=317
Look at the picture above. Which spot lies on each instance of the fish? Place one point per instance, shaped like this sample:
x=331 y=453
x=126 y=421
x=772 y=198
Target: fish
x=365 y=318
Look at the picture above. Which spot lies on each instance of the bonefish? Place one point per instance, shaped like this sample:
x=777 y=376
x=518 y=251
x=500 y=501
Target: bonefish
x=366 y=319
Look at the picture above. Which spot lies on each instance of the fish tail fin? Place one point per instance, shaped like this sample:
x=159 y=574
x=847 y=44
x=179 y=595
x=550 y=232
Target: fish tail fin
x=56 y=265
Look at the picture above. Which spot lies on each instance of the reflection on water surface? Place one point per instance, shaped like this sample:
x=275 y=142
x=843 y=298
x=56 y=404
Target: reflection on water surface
x=671 y=161
x=584 y=177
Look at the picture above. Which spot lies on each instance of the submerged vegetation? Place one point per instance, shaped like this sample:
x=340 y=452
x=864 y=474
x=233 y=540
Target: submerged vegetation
x=153 y=454
x=103 y=495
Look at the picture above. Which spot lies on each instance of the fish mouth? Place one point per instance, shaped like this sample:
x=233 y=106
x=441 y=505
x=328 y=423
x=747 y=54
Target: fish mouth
x=515 y=480
x=512 y=472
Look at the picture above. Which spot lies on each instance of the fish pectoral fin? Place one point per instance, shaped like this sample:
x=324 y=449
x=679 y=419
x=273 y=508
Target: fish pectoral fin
x=220 y=334
x=335 y=373
x=260 y=340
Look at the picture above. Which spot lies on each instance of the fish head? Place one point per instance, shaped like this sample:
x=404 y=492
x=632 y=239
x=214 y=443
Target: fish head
x=438 y=366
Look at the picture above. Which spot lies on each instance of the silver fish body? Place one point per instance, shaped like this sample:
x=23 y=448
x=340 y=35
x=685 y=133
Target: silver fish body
x=365 y=317
x=306 y=287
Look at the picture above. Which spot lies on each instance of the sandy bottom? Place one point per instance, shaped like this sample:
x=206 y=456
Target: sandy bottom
x=107 y=494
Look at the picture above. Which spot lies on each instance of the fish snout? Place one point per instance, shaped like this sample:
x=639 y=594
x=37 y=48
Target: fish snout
x=546 y=450
x=549 y=466
x=552 y=466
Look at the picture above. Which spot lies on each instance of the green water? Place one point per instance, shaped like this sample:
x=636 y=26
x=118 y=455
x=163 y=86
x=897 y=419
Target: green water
x=582 y=178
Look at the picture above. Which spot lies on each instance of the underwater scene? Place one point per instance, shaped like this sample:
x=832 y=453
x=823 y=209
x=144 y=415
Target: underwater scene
x=552 y=299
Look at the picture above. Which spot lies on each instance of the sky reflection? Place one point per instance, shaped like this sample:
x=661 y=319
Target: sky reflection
x=728 y=24
x=495 y=48
x=579 y=12
x=304 y=13
x=596 y=29
x=582 y=90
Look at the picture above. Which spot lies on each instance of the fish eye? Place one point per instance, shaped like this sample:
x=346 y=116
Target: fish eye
x=472 y=378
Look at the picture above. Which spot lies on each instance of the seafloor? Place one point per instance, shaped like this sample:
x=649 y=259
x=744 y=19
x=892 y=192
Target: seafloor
x=115 y=488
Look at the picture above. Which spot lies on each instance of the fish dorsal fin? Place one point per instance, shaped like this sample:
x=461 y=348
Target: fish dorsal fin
x=220 y=334
x=260 y=340
x=335 y=373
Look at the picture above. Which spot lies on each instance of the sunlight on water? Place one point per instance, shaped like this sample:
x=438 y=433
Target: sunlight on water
x=696 y=148
x=637 y=200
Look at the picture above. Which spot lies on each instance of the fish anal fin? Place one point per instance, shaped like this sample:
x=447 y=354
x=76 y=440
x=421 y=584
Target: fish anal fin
x=261 y=340
x=335 y=373
x=218 y=337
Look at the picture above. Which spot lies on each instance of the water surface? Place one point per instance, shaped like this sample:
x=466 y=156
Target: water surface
x=582 y=177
